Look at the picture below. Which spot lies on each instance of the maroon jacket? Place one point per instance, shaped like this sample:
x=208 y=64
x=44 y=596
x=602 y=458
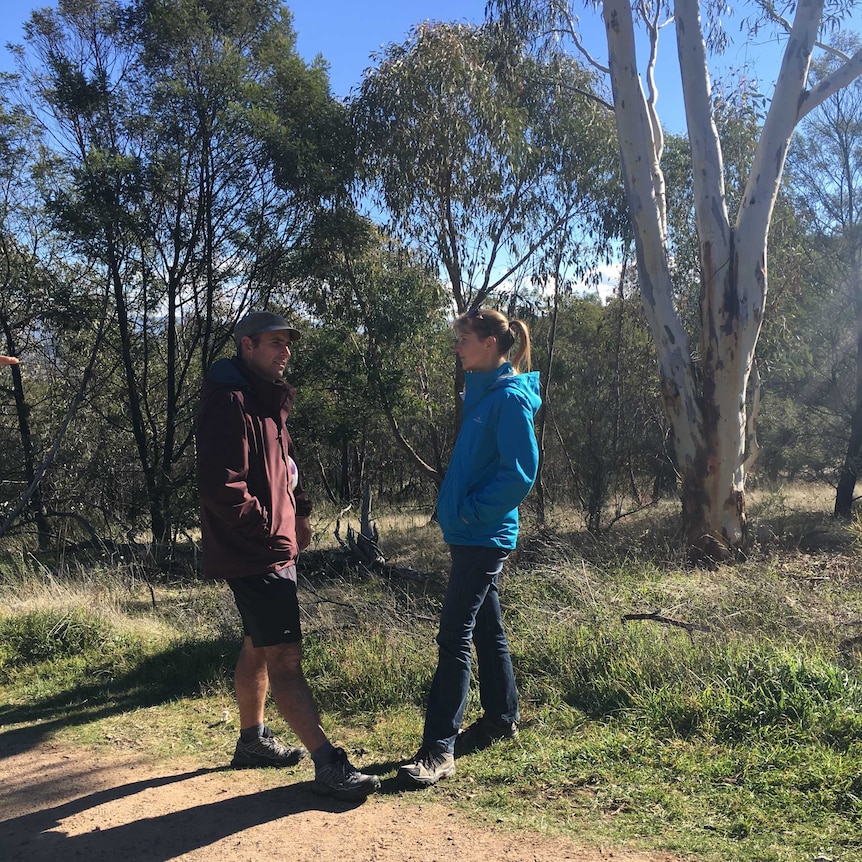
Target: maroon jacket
x=248 y=511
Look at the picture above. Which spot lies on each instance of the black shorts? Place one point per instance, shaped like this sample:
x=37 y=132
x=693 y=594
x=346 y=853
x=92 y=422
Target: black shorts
x=269 y=607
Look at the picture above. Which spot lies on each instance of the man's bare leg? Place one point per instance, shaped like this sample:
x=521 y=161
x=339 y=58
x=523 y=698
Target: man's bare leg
x=334 y=774
x=292 y=695
x=257 y=746
x=251 y=683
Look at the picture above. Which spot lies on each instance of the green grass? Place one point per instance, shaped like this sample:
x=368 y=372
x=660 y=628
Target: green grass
x=736 y=737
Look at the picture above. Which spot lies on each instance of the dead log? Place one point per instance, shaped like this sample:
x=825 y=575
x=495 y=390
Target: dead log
x=364 y=546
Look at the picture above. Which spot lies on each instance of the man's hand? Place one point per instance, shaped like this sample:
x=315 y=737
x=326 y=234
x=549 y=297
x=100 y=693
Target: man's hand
x=303 y=533
x=8 y=360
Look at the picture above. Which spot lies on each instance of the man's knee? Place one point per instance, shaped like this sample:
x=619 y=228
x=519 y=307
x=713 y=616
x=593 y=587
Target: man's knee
x=250 y=653
x=284 y=658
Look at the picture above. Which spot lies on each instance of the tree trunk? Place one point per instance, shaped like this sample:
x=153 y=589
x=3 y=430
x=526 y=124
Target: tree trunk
x=849 y=474
x=541 y=427
x=48 y=460
x=542 y=418
x=344 y=480
x=36 y=504
x=706 y=404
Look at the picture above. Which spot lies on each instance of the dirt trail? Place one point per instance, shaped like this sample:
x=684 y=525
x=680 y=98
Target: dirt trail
x=60 y=803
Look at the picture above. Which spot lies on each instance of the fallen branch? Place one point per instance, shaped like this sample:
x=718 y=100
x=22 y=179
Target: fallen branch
x=657 y=617
x=365 y=548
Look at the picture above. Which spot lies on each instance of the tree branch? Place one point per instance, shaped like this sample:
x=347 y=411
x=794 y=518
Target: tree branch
x=710 y=205
x=657 y=617
x=830 y=85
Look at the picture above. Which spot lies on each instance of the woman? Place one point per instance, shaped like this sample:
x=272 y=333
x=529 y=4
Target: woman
x=492 y=469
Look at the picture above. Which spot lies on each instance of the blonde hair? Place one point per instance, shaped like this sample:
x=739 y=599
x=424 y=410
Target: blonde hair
x=485 y=322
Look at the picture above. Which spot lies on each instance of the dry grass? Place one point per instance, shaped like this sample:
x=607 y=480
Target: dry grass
x=124 y=607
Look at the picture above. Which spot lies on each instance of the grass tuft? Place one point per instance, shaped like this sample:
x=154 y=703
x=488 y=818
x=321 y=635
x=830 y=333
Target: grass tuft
x=40 y=636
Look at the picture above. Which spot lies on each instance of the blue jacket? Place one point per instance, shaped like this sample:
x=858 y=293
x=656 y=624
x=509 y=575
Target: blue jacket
x=494 y=462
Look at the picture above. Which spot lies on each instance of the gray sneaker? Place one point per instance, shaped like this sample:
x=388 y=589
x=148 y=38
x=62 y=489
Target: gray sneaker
x=341 y=780
x=427 y=768
x=266 y=750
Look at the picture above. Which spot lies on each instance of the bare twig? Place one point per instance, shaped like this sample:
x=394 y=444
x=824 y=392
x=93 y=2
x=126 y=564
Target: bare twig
x=658 y=617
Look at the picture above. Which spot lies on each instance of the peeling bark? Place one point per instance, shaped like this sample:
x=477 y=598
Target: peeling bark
x=709 y=420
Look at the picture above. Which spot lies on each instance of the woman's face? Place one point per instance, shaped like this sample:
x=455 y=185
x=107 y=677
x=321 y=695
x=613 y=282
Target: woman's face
x=476 y=353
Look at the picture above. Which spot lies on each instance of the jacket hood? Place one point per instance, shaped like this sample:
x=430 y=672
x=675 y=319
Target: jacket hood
x=477 y=384
x=228 y=374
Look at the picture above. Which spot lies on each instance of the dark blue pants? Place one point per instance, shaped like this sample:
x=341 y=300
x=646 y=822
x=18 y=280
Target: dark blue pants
x=470 y=615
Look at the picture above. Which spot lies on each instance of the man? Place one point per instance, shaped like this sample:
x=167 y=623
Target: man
x=253 y=526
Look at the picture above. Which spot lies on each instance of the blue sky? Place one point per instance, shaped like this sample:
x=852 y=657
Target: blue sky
x=347 y=32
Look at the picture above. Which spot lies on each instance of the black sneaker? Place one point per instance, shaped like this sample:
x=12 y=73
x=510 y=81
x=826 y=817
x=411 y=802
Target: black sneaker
x=266 y=750
x=483 y=733
x=341 y=780
x=427 y=768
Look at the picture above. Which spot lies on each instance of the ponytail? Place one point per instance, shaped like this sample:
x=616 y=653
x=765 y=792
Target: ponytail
x=521 y=361
x=486 y=322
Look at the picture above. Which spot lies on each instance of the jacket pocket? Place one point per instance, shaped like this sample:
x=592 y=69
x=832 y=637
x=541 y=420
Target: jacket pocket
x=280 y=543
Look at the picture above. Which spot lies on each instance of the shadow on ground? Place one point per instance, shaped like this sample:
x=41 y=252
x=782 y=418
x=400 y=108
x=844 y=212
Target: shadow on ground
x=152 y=835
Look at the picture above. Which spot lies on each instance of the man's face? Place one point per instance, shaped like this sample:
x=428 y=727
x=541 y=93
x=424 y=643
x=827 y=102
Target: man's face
x=269 y=357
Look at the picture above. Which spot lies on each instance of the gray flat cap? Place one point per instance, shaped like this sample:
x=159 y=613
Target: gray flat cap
x=256 y=322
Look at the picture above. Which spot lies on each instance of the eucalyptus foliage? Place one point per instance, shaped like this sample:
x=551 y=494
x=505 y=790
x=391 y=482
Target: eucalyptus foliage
x=190 y=150
x=483 y=157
